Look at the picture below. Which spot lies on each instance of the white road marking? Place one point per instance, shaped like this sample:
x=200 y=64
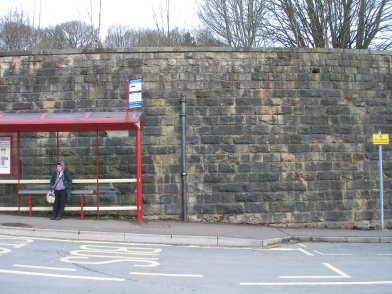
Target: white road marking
x=61 y=276
x=319 y=283
x=141 y=262
x=94 y=254
x=86 y=241
x=338 y=271
x=332 y=254
x=122 y=249
x=45 y=267
x=15 y=245
x=305 y=252
x=341 y=274
x=5 y=250
x=6 y=237
x=292 y=249
x=166 y=275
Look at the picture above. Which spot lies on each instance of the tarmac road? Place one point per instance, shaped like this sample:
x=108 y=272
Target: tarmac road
x=46 y=265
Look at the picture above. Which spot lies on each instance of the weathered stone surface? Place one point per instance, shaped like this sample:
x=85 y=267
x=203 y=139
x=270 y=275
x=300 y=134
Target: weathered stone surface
x=274 y=136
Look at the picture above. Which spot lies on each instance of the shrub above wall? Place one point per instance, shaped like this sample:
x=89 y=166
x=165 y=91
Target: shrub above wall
x=274 y=136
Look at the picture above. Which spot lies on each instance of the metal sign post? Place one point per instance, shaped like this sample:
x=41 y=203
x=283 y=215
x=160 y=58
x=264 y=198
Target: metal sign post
x=381 y=139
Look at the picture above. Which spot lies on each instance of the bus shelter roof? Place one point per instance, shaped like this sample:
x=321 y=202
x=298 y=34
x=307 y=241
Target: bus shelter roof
x=70 y=121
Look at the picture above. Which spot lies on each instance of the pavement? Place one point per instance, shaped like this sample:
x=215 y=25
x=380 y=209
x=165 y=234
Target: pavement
x=179 y=233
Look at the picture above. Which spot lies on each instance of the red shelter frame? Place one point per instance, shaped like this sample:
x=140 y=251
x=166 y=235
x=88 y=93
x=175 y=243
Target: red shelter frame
x=79 y=122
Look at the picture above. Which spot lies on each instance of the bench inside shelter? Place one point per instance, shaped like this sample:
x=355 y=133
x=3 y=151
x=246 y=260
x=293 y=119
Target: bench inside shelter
x=81 y=193
x=37 y=188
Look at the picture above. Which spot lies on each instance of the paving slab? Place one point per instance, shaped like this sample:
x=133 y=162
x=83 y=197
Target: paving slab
x=179 y=233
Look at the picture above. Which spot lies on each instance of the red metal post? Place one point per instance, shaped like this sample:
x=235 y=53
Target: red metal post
x=81 y=206
x=18 y=167
x=97 y=171
x=57 y=147
x=31 y=205
x=139 y=199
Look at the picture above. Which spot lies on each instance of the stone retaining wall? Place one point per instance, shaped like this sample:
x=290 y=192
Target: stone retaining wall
x=274 y=136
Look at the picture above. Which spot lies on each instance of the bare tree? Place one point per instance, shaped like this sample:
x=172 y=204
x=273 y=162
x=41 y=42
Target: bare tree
x=95 y=32
x=77 y=34
x=238 y=23
x=52 y=38
x=374 y=24
x=357 y=24
x=188 y=40
x=16 y=33
x=204 y=37
x=149 y=38
x=73 y=34
x=120 y=36
x=162 y=23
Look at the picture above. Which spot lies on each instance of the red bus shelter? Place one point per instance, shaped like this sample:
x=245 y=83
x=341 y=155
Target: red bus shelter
x=79 y=122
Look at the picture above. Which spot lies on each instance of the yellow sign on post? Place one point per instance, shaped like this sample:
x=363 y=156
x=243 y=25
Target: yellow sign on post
x=380 y=139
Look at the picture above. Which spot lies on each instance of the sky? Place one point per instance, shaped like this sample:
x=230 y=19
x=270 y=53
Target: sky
x=132 y=13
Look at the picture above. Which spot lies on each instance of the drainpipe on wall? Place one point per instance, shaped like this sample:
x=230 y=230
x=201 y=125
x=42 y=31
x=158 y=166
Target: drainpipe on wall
x=183 y=151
